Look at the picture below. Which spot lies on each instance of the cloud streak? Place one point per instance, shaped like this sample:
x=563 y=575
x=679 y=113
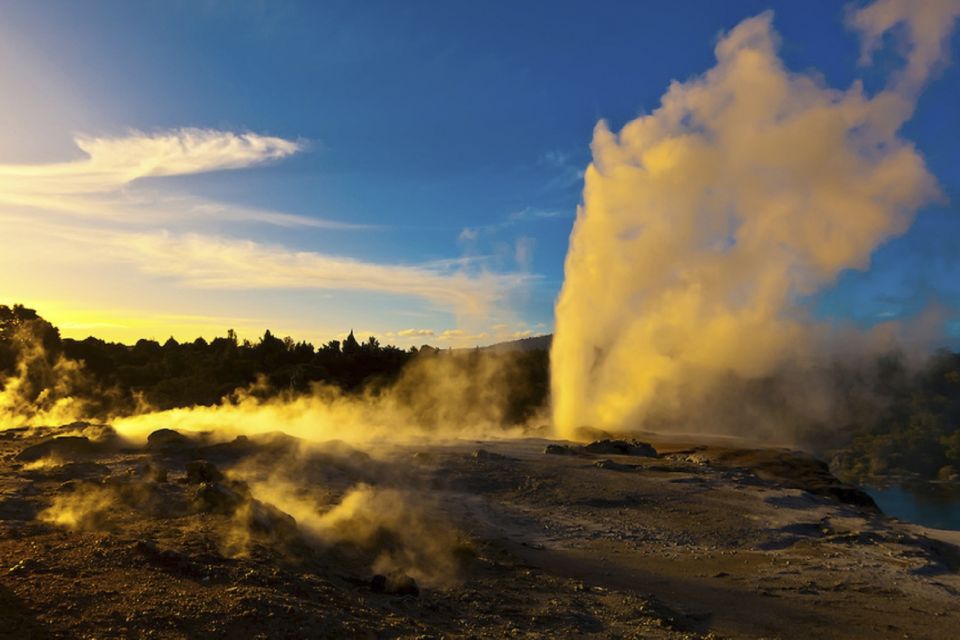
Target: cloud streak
x=96 y=210
x=111 y=163
x=221 y=263
x=102 y=185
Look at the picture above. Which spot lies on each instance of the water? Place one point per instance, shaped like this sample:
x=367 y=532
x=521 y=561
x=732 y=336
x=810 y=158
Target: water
x=928 y=504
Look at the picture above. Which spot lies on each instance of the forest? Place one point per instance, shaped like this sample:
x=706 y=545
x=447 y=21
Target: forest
x=117 y=379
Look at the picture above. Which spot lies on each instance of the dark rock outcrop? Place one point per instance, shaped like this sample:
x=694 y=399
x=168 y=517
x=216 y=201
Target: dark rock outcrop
x=200 y=471
x=399 y=584
x=622 y=448
x=62 y=447
x=166 y=440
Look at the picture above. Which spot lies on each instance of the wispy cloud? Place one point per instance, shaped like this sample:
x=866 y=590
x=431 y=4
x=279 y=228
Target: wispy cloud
x=567 y=171
x=414 y=333
x=525 y=215
x=222 y=263
x=113 y=162
x=96 y=211
x=102 y=185
x=459 y=337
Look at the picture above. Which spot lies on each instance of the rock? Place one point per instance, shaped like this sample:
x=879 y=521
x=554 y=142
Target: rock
x=264 y=518
x=167 y=439
x=791 y=469
x=397 y=583
x=152 y=472
x=199 y=471
x=622 y=448
x=239 y=447
x=561 y=450
x=614 y=466
x=483 y=454
x=217 y=497
x=64 y=447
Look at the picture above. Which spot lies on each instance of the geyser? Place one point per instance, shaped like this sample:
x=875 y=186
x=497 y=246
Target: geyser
x=706 y=223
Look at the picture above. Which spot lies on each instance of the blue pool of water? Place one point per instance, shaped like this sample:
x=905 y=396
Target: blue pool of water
x=928 y=504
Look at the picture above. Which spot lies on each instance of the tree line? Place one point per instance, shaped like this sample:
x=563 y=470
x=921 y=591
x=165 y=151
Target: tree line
x=117 y=377
x=917 y=432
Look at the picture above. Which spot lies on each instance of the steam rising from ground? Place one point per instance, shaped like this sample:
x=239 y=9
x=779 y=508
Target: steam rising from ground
x=706 y=223
x=397 y=526
x=442 y=396
x=46 y=388
x=86 y=509
x=278 y=493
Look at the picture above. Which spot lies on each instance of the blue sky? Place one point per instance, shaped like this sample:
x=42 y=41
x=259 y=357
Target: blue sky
x=442 y=133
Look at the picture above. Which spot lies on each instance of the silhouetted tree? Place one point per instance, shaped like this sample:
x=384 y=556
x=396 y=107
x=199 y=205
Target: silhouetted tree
x=350 y=345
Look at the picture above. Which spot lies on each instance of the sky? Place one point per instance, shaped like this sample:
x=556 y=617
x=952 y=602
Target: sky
x=410 y=170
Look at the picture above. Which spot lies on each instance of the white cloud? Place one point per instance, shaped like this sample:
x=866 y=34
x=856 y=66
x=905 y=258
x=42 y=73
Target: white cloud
x=412 y=333
x=523 y=251
x=468 y=235
x=113 y=162
x=103 y=185
x=213 y=262
x=96 y=211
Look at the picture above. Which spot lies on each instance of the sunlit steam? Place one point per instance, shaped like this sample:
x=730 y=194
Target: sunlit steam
x=442 y=396
x=705 y=223
x=46 y=387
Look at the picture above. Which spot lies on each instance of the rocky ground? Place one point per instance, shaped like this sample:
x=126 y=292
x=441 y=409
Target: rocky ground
x=187 y=537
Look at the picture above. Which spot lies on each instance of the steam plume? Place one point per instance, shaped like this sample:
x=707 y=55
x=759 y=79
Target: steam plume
x=447 y=395
x=704 y=223
x=46 y=387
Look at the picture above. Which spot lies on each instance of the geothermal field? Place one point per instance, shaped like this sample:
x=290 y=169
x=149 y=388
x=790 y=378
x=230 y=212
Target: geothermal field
x=438 y=320
x=271 y=536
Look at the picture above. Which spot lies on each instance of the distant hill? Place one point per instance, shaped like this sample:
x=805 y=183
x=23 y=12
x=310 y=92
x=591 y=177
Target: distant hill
x=532 y=343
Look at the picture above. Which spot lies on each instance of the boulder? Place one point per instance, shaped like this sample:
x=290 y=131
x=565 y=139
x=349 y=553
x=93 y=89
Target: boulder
x=396 y=583
x=217 y=497
x=200 y=471
x=63 y=447
x=266 y=519
x=165 y=439
x=561 y=450
x=613 y=466
x=622 y=448
x=483 y=454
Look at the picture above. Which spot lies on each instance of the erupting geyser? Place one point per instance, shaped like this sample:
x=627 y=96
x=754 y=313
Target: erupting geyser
x=704 y=223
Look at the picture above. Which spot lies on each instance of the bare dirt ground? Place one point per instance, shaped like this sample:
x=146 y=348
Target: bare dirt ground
x=101 y=538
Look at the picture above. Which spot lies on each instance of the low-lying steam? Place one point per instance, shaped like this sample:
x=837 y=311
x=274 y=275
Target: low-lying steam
x=706 y=223
x=437 y=397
